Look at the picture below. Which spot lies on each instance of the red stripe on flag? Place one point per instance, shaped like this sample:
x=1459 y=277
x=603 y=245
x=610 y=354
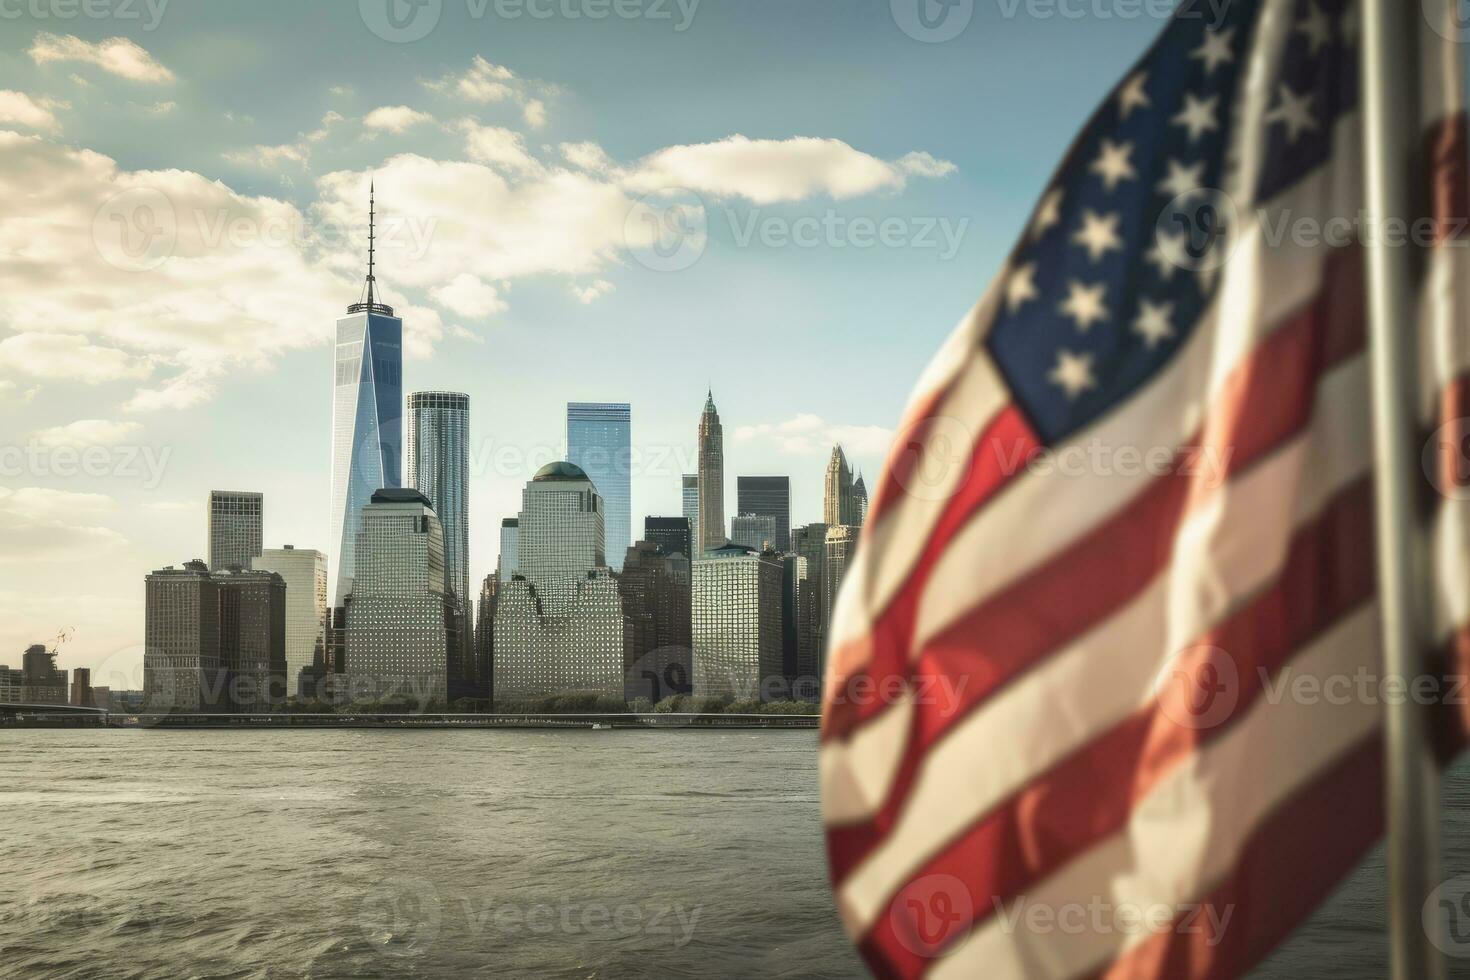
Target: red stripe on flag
x=1005 y=440
x=906 y=452
x=1090 y=795
x=1292 y=862
x=1268 y=401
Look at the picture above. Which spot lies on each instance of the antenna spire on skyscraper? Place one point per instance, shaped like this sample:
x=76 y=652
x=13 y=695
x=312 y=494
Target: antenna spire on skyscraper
x=371 y=305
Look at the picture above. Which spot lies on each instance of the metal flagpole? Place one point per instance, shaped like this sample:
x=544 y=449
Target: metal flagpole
x=1391 y=138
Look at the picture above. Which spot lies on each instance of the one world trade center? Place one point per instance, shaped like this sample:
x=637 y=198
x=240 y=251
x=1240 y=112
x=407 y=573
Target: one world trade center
x=367 y=418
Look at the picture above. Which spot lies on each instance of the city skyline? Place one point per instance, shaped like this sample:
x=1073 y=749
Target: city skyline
x=487 y=309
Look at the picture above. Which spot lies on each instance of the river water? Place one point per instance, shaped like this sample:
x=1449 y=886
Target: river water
x=382 y=854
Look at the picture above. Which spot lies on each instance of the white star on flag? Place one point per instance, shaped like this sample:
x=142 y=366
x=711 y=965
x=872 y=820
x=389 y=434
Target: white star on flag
x=1166 y=244
x=1215 y=51
x=1085 y=304
x=1316 y=27
x=1021 y=286
x=1197 y=116
x=1113 y=164
x=1152 y=323
x=1098 y=233
x=1073 y=373
x=1294 y=112
x=1183 y=182
x=1048 y=213
x=1132 y=96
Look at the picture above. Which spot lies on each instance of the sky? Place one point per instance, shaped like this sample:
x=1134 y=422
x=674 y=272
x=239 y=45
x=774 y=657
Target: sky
x=788 y=202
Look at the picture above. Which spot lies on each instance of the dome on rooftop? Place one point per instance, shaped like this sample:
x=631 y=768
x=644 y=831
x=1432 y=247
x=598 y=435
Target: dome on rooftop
x=558 y=472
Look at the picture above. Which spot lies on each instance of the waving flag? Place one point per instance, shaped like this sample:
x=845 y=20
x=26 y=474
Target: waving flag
x=1131 y=507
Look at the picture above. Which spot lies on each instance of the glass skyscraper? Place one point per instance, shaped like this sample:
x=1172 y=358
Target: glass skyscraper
x=599 y=442
x=367 y=422
x=438 y=467
x=691 y=508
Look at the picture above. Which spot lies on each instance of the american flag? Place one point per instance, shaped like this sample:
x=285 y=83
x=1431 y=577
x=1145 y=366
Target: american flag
x=1129 y=509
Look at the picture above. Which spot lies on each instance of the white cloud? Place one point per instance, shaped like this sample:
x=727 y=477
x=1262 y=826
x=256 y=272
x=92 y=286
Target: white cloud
x=395 y=118
x=468 y=296
x=496 y=145
x=21 y=109
x=117 y=55
x=221 y=281
x=592 y=291
x=89 y=432
x=808 y=434
x=268 y=156
x=161 y=108
x=43 y=504
x=484 y=82
x=66 y=356
x=769 y=171
x=587 y=155
x=340 y=90
x=922 y=164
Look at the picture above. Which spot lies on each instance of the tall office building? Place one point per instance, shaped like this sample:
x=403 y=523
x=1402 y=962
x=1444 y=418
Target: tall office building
x=560 y=535
x=793 y=575
x=304 y=570
x=401 y=622
x=737 y=624
x=599 y=442
x=754 y=531
x=690 y=499
x=438 y=467
x=559 y=621
x=672 y=534
x=655 y=588
x=485 y=637
x=841 y=545
x=252 y=639
x=839 y=505
x=810 y=542
x=860 y=501
x=367 y=420
x=508 y=563
x=234 y=528
x=768 y=496
x=711 y=533
x=181 y=662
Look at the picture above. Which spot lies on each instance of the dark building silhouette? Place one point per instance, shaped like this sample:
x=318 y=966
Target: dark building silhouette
x=252 y=638
x=655 y=591
x=41 y=681
x=767 y=496
x=672 y=534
